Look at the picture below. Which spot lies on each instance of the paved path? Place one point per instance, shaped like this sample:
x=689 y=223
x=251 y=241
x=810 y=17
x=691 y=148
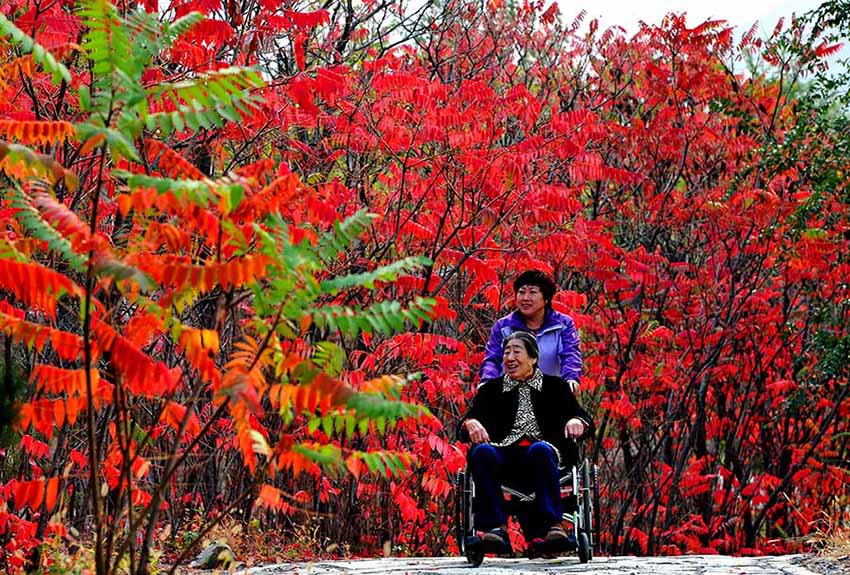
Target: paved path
x=686 y=565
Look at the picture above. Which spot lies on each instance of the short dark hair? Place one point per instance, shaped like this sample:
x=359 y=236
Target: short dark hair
x=540 y=279
x=528 y=341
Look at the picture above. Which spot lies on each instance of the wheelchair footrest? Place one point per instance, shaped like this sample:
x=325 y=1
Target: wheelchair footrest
x=479 y=545
x=545 y=548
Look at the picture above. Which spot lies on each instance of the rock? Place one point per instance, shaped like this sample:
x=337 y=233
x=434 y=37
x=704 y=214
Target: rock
x=216 y=556
x=825 y=564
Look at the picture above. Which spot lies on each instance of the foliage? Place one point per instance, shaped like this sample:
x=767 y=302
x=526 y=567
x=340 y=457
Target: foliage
x=221 y=228
x=154 y=315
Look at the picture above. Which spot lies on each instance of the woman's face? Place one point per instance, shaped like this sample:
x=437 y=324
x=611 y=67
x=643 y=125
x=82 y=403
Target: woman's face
x=530 y=301
x=518 y=364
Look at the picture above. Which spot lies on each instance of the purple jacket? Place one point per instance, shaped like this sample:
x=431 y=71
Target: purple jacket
x=557 y=339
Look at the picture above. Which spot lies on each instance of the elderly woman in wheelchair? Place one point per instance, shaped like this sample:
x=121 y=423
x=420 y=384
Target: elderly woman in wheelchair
x=523 y=427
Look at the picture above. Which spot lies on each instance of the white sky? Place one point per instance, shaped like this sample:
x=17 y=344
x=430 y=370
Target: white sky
x=740 y=13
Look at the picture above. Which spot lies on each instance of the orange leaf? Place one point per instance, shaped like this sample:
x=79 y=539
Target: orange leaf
x=177 y=272
x=269 y=496
x=306 y=322
x=170 y=163
x=20 y=494
x=68 y=346
x=67 y=223
x=143 y=375
x=35 y=493
x=72 y=408
x=37 y=132
x=50 y=379
x=353 y=464
x=36 y=285
x=52 y=493
x=59 y=413
x=92 y=143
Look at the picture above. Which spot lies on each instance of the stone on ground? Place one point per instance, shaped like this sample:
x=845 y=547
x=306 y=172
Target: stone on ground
x=215 y=556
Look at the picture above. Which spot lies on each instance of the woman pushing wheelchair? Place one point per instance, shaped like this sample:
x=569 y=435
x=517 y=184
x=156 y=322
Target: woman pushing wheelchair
x=555 y=332
x=521 y=425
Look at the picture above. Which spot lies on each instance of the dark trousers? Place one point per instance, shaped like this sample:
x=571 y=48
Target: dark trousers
x=532 y=468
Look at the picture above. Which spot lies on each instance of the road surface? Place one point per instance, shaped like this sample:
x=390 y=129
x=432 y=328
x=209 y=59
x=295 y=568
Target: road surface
x=685 y=565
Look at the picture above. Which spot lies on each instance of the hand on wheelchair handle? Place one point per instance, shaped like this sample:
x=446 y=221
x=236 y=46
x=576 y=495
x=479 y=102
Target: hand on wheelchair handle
x=574 y=428
x=476 y=431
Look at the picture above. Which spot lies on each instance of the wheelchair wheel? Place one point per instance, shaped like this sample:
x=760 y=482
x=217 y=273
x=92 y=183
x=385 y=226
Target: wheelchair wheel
x=587 y=504
x=584 y=550
x=475 y=555
x=461 y=510
x=596 y=508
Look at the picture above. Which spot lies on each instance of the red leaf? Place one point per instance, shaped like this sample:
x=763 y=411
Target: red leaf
x=298 y=50
x=52 y=492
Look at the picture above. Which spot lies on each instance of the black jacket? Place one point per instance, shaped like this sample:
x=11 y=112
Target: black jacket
x=554 y=405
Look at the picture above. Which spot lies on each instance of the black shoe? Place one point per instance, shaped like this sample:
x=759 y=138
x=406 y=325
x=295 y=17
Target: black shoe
x=497 y=535
x=556 y=533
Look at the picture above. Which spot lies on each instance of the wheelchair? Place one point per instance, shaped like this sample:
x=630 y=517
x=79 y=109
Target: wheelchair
x=580 y=503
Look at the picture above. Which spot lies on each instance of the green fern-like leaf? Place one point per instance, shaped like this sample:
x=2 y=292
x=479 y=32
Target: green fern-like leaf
x=329 y=457
x=343 y=235
x=118 y=270
x=167 y=123
x=386 y=462
x=173 y=30
x=147 y=37
x=387 y=273
x=31 y=220
x=120 y=146
x=384 y=317
x=207 y=101
x=329 y=357
x=42 y=165
x=197 y=191
x=40 y=55
x=373 y=406
x=105 y=41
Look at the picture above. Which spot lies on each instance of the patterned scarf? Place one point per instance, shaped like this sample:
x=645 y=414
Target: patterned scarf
x=535 y=382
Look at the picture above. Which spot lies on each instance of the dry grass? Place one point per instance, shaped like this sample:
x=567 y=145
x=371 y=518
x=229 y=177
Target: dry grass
x=254 y=545
x=830 y=548
x=835 y=545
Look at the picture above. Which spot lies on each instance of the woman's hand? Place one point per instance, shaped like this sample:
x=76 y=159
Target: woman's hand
x=476 y=431
x=574 y=428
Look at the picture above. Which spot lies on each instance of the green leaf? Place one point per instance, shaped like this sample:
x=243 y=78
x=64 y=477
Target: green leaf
x=210 y=99
x=237 y=192
x=385 y=317
x=374 y=407
x=171 y=31
x=363 y=426
x=336 y=241
x=31 y=219
x=85 y=98
x=329 y=357
x=387 y=273
x=328 y=425
x=105 y=41
x=329 y=457
x=198 y=192
x=119 y=145
x=119 y=270
x=313 y=424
